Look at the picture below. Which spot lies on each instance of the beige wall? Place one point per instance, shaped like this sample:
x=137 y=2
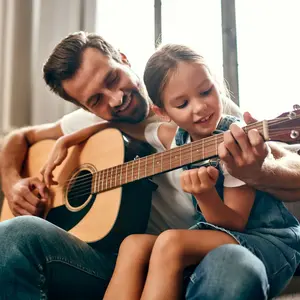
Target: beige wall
x=29 y=30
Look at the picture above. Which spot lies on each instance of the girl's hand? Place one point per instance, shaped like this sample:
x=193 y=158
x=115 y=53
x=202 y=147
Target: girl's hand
x=198 y=181
x=57 y=155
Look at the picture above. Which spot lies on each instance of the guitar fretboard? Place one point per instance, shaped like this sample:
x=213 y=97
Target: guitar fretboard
x=162 y=162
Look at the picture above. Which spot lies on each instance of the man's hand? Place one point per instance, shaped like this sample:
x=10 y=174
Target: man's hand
x=248 y=118
x=243 y=154
x=22 y=200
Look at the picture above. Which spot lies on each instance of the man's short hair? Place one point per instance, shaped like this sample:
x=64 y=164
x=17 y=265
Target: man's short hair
x=66 y=58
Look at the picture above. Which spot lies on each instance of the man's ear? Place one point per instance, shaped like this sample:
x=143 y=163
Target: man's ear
x=124 y=59
x=161 y=113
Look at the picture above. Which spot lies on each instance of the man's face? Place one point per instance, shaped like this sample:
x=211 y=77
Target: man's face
x=108 y=89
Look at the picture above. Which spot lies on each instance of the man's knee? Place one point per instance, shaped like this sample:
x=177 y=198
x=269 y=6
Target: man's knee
x=229 y=272
x=23 y=230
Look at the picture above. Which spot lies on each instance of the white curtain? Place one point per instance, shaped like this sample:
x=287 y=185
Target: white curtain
x=29 y=30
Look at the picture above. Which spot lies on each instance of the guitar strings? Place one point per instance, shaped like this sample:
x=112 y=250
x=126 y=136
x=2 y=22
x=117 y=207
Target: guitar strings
x=176 y=151
x=111 y=178
x=85 y=189
x=249 y=127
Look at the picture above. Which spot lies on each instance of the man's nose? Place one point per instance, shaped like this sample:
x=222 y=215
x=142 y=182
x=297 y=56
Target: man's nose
x=115 y=98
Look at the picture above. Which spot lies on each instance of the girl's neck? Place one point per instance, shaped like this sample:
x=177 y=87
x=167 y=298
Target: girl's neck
x=197 y=138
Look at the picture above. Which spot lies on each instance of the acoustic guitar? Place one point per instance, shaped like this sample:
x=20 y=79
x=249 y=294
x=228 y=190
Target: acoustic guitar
x=104 y=194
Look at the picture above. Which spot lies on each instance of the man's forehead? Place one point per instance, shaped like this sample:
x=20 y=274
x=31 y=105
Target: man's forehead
x=93 y=58
x=94 y=64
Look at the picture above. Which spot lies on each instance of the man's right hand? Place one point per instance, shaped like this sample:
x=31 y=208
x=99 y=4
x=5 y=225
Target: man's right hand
x=23 y=199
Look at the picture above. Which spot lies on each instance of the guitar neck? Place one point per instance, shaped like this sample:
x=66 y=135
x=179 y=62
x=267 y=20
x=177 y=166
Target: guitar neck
x=164 y=161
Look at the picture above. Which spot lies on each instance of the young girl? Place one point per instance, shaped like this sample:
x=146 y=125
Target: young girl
x=226 y=210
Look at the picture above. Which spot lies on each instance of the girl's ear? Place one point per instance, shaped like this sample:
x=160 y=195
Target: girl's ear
x=125 y=60
x=161 y=113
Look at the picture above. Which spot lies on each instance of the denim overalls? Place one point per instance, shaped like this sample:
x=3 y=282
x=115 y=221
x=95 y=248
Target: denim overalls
x=272 y=232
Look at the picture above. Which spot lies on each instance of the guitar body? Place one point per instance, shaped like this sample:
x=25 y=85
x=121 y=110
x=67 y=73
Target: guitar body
x=103 y=219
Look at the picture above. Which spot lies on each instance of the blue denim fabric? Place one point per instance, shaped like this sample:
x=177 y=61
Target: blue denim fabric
x=272 y=234
x=229 y=272
x=40 y=261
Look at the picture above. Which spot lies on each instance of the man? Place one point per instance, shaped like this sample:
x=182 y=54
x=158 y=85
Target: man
x=40 y=260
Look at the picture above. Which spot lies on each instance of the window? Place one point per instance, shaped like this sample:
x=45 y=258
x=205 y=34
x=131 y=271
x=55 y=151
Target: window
x=268 y=55
x=267 y=39
x=129 y=26
x=196 y=23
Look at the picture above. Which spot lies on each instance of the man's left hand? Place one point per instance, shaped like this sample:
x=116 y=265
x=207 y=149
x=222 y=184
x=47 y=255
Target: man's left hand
x=243 y=154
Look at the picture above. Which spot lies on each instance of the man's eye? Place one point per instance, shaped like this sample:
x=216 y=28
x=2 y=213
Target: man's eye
x=184 y=104
x=113 y=81
x=96 y=101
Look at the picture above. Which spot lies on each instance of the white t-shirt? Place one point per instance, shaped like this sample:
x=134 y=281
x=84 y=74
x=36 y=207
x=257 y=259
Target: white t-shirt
x=77 y=120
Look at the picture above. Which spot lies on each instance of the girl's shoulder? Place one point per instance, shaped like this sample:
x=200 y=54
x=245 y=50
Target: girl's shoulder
x=160 y=134
x=166 y=133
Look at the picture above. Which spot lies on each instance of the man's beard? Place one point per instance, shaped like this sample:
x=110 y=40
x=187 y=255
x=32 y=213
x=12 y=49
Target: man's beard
x=138 y=114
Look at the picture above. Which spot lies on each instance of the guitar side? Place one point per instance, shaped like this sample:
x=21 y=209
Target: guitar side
x=104 y=219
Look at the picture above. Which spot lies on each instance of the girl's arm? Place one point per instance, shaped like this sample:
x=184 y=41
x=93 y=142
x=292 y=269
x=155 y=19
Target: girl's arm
x=60 y=150
x=234 y=212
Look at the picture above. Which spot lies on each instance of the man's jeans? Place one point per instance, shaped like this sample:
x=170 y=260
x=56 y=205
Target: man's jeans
x=40 y=261
x=230 y=272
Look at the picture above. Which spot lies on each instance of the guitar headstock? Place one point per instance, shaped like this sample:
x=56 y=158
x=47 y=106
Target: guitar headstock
x=286 y=127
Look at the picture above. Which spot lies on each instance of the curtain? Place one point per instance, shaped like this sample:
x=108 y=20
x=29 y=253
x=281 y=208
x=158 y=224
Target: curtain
x=29 y=30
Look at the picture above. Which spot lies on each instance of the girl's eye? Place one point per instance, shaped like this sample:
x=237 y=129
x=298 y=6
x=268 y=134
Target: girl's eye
x=207 y=92
x=184 y=104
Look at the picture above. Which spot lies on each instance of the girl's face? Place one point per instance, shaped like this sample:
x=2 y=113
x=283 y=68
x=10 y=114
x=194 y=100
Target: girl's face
x=191 y=100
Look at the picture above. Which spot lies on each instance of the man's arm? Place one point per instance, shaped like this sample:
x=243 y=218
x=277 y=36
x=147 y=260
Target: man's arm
x=18 y=190
x=249 y=158
x=280 y=176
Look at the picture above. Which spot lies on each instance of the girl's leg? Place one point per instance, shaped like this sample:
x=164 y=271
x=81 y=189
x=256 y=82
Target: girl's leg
x=132 y=264
x=173 y=251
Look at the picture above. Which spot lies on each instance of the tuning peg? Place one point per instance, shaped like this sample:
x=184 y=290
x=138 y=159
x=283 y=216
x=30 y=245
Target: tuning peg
x=291 y=115
x=296 y=107
x=294 y=134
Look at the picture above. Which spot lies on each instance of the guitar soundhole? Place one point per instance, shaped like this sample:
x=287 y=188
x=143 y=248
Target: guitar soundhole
x=80 y=188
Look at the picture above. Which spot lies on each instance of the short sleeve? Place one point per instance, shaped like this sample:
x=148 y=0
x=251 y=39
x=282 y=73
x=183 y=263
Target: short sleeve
x=77 y=120
x=151 y=136
x=229 y=180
